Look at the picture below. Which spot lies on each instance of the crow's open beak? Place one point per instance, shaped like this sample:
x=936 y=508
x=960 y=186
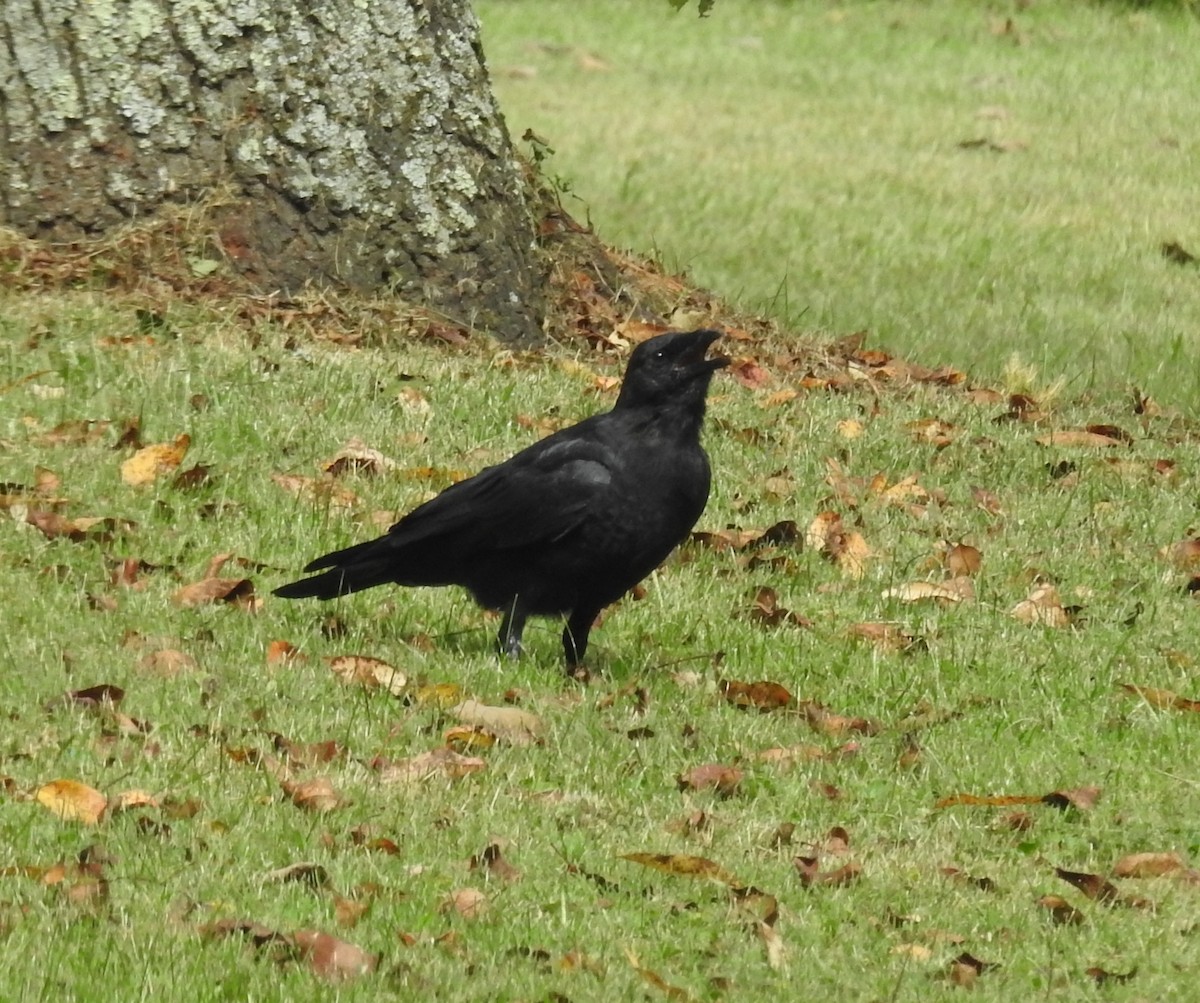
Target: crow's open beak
x=696 y=353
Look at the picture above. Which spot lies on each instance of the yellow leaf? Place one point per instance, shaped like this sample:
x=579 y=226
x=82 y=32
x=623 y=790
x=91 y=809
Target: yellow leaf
x=144 y=466
x=512 y=724
x=954 y=590
x=686 y=866
x=72 y=801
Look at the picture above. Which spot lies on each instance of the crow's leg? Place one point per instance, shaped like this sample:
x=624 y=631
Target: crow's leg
x=512 y=627
x=575 y=636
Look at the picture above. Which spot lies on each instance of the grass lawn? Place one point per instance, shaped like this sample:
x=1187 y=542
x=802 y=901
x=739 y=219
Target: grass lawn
x=962 y=181
x=983 y=596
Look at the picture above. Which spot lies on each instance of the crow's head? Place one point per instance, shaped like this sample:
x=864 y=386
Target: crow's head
x=671 y=369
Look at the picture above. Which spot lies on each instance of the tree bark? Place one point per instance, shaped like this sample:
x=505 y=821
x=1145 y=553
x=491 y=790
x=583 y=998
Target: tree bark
x=345 y=142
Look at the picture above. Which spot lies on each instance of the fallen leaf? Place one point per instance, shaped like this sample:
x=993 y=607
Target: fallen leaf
x=283 y=652
x=79 y=530
x=763 y=695
x=1042 y=607
x=91 y=696
x=965 y=970
x=314 y=876
x=1078 y=437
x=1148 y=865
x=724 y=780
x=886 y=636
x=332 y=959
x=72 y=801
x=684 y=865
x=357 y=457
x=511 y=724
x=821 y=719
x=144 y=466
x=1161 y=699
x=467 y=737
x=1094 y=886
x=652 y=978
x=323 y=490
x=1061 y=911
x=469 y=903
x=765 y=609
x=372 y=673
x=237 y=591
x=962 y=560
x=1101 y=976
x=954 y=590
x=316 y=794
x=1079 y=798
x=492 y=860
x=810 y=873
x=167 y=662
x=438 y=762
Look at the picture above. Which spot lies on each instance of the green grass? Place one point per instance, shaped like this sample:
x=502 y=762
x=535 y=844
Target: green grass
x=799 y=156
x=1038 y=709
x=806 y=159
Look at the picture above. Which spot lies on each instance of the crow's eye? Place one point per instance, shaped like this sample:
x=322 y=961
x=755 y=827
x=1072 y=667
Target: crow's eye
x=660 y=355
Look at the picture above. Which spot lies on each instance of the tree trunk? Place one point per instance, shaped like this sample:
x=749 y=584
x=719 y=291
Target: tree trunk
x=346 y=142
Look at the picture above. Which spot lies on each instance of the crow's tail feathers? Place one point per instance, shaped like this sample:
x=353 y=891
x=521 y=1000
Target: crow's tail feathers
x=351 y=570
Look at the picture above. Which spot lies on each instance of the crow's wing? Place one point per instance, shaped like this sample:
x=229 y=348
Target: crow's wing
x=538 y=496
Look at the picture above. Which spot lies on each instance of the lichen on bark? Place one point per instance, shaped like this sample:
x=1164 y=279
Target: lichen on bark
x=356 y=141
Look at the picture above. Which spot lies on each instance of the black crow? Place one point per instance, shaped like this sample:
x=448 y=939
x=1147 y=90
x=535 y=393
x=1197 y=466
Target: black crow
x=567 y=525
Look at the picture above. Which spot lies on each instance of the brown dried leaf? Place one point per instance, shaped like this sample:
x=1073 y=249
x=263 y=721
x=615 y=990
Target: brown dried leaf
x=167 y=662
x=793 y=754
x=332 y=959
x=469 y=903
x=314 y=876
x=1079 y=437
x=990 y=800
x=372 y=673
x=1148 y=865
x=492 y=860
x=821 y=719
x=765 y=609
x=1061 y=911
x=724 y=780
x=885 y=635
x=684 y=865
x=91 y=696
x=74 y=432
x=1079 y=798
x=987 y=501
x=962 y=560
x=652 y=978
x=323 y=490
x=955 y=590
x=238 y=591
x=933 y=431
x=357 y=457
x=316 y=794
x=1101 y=976
x=283 y=652
x=438 y=762
x=1042 y=607
x=763 y=695
x=810 y=873
x=1184 y=554
x=1161 y=699
x=1094 y=886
